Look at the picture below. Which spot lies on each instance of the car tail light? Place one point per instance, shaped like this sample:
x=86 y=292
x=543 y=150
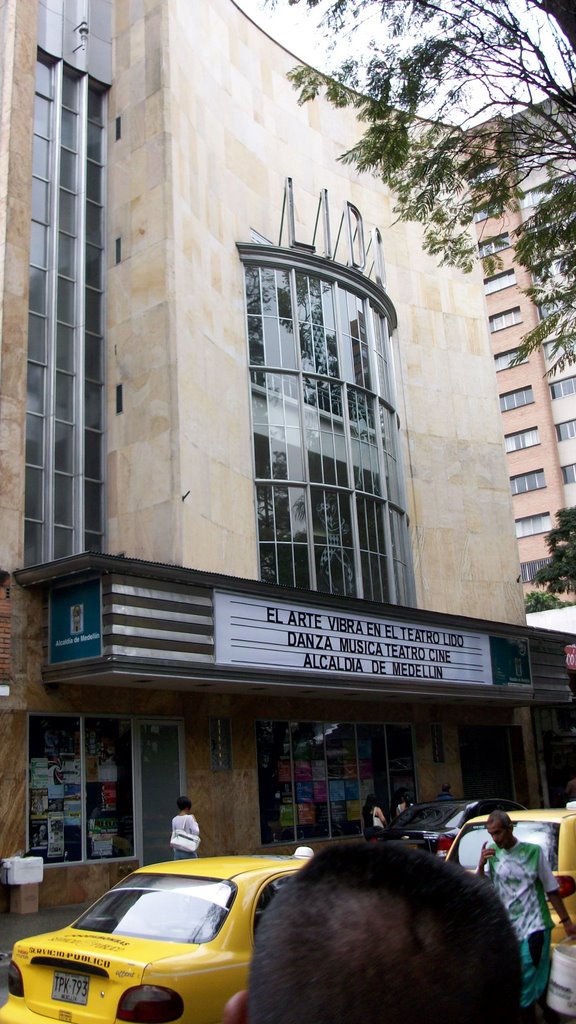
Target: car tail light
x=567 y=885
x=443 y=845
x=15 y=981
x=150 y=1004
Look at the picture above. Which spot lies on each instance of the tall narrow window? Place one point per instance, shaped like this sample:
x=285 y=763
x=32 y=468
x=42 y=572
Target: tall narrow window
x=64 y=431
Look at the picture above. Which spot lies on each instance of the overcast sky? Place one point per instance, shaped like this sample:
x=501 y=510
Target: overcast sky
x=294 y=27
x=297 y=29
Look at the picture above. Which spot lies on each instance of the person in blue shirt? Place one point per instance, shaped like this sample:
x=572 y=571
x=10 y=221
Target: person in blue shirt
x=445 y=793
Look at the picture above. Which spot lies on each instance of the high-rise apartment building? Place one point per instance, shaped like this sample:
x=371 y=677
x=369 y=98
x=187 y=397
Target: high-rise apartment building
x=538 y=408
x=257 y=537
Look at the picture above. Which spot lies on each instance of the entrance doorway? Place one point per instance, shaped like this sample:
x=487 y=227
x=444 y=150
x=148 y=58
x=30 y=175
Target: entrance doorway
x=486 y=763
x=162 y=780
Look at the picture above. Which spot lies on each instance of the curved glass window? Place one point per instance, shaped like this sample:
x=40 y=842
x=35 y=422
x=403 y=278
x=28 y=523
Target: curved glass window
x=330 y=502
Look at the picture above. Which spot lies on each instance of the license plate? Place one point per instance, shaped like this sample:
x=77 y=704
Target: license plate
x=70 y=988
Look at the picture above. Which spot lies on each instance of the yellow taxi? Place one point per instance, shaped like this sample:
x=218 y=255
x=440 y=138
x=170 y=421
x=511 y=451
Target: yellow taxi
x=170 y=942
x=552 y=829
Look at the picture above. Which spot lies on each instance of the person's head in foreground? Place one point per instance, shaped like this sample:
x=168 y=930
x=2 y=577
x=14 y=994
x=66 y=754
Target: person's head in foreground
x=381 y=934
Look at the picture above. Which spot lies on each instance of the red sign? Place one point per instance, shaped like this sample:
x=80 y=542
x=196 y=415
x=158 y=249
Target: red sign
x=570 y=653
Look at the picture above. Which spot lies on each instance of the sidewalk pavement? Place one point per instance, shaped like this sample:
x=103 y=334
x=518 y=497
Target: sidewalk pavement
x=20 y=926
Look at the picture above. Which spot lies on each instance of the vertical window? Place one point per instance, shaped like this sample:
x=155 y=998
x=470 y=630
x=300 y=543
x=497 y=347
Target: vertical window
x=316 y=326
x=94 y=326
x=277 y=428
x=383 y=352
x=329 y=490
x=569 y=474
x=80 y=788
x=283 y=531
x=41 y=256
x=374 y=548
x=363 y=436
x=64 y=474
x=270 y=322
x=355 y=339
x=108 y=799
x=333 y=542
x=67 y=315
x=325 y=433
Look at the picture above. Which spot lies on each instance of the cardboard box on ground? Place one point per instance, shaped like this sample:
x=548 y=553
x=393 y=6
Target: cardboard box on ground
x=23 y=875
x=24 y=898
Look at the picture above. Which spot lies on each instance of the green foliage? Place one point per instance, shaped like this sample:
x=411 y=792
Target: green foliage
x=542 y=601
x=559 y=575
x=499 y=105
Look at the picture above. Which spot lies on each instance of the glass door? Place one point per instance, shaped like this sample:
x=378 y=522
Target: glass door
x=162 y=780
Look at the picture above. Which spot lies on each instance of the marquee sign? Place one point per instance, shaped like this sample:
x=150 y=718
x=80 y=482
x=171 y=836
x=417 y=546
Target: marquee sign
x=277 y=635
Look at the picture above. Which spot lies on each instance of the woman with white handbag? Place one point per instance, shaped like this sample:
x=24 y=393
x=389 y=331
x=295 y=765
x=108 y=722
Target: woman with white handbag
x=185 y=838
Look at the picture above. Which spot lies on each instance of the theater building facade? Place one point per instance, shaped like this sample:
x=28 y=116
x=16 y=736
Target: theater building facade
x=257 y=536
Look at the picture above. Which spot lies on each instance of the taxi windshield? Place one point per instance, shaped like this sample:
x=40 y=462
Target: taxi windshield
x=168 y=908
x=466 y=850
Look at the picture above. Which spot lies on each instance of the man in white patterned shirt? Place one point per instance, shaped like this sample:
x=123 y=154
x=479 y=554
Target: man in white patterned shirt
x=524 y=880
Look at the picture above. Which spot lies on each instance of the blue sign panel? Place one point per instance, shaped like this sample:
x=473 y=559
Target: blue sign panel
x=510 y=661
x=75 y=622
